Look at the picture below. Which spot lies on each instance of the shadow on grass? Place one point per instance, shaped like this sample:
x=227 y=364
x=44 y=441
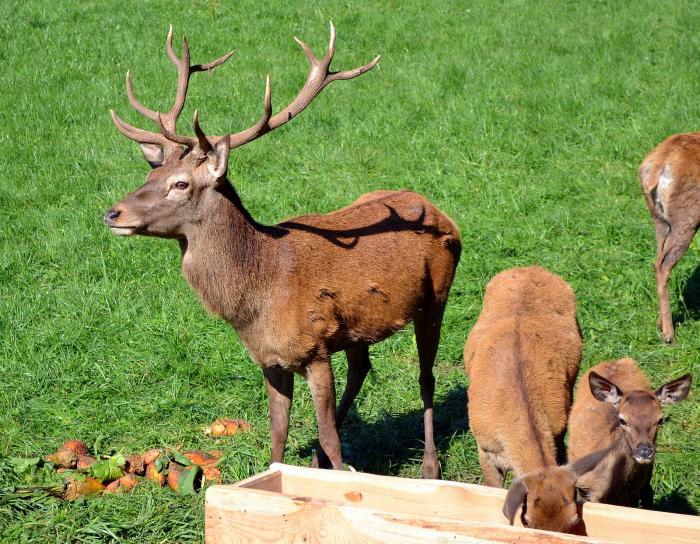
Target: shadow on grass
x=385 y=445
x=690 y=307
x=675 y=502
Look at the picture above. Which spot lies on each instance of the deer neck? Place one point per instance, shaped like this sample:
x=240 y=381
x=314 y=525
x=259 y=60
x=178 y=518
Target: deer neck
x=227 y=259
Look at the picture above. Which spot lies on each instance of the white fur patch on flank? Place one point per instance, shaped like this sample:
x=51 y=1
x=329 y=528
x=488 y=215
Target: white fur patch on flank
x=665 y=182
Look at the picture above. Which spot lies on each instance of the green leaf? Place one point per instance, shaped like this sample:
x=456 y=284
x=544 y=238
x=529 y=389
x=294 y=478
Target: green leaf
x=162 y=462
x=185 y=484
x=179 y=458
x=109 y=469
x=23 y=465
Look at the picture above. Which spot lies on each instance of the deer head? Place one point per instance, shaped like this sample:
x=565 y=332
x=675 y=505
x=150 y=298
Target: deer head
x=188 y=171
x=639 y=412
x=548 y=495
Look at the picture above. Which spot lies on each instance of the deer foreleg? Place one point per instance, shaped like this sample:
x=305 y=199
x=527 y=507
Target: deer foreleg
x=280 y=387
x=319 y=375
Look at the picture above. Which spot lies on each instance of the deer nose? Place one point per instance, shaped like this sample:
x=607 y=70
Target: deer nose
x=111 y=215
x=645 y=451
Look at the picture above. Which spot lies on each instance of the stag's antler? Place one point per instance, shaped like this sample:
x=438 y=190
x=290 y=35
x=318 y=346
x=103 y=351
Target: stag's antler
x=167 y=122
x=318 y=78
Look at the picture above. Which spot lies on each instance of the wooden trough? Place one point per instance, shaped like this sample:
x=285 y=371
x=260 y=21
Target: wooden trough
x=287 y=504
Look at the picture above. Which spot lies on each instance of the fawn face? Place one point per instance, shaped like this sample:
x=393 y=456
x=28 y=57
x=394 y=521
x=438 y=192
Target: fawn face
x=639 y=412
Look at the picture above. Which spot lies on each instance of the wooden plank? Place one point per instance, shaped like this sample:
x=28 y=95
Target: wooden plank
x=287 y=500
x=244 y=515
x=270 y=480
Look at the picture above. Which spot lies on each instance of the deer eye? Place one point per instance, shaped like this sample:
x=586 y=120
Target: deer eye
x=622 y=421
x=182 y=185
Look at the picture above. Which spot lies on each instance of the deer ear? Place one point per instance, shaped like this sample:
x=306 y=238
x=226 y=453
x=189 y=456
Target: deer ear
x=674 y=391
x=153 y=154
x=588 y=462
x=604 y=390
x=516 y=497
x=217 y=158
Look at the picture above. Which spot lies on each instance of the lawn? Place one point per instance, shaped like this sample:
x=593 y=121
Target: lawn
x=524 y=121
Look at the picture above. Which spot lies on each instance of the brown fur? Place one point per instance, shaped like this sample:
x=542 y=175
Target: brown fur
x=522 y=357
x=608 y=394
x=301 y=290
x=670 y=179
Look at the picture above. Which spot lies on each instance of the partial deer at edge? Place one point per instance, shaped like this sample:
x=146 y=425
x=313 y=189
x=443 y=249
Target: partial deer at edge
x=298 y=291
x=670 y=178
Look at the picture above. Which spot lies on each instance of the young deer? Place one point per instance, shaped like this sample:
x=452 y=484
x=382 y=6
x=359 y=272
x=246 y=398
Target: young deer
x=670 y=178
x=616 y=408
x=301 y=290
x=522 y=357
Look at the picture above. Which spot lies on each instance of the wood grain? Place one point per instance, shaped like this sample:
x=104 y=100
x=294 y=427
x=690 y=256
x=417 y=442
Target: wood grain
x=293 y=505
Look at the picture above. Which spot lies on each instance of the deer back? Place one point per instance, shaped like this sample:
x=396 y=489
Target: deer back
x=522 y=357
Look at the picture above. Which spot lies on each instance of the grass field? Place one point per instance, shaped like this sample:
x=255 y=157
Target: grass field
x=525 y=121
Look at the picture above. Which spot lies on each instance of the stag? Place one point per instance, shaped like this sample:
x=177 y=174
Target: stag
x=298 y=291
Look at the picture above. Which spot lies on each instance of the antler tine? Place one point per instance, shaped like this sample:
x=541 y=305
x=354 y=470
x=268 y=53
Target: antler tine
x=328 y=57
x=307 y=50
x=349 y=74
x=259 y=128
x=318 y=78
x=169 y=47
x=137 y=134
x=143 y=110
x=213 y=64
x=204 y=143
x=172 y=136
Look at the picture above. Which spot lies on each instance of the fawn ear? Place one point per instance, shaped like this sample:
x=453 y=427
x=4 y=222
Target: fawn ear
x=154 y=154
x=588 y=462
x=674 y=391
x=516 y=497
x=217 y=158
x=604 y=390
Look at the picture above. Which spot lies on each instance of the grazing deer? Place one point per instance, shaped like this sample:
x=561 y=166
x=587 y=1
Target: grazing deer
x=301 y=290
x=670 y=178
x=547 y=495
x=616 y=408
x=522 y=357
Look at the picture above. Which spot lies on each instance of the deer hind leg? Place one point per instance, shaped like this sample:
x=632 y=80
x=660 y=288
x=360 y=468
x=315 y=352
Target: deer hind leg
x=319 y=375
x=280 y=387
x=427 y=327
x=672 y=244
x=358 y=368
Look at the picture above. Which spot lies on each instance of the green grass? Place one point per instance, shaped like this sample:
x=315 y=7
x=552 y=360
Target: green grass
x=525 y=121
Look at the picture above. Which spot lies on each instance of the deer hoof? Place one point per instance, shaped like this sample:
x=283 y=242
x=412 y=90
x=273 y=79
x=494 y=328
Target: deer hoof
x=431 y=469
